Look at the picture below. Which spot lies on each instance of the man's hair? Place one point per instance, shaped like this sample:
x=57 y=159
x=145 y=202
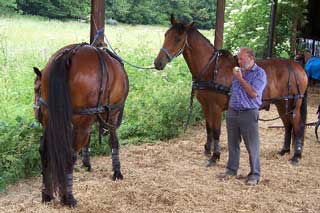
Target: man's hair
x=248 y=51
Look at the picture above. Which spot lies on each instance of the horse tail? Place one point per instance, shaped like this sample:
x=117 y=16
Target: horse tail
x=303 y=109
x=59 y=127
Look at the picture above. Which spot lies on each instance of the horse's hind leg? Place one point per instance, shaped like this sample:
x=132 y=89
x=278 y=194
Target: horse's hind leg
x=81 y=136
x=114 y=144
x=67 y=197
x=47 y=192
x=287 y=139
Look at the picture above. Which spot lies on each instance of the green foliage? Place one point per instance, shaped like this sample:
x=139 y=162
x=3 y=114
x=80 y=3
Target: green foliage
x=157 y=12
x=247 y=24
x=19 y=144
x=8 y=6
x=60 y=9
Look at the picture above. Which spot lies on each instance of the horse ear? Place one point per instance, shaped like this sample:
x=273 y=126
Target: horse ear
x=235 y=57
x=37 y=71
x=173 y=20
x=190 y=26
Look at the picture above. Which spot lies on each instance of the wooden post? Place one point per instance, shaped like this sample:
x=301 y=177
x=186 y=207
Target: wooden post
x=97 y=22
x=218 y=37
x=271 y=27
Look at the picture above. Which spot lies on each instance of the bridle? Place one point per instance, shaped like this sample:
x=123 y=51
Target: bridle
x=172 y=56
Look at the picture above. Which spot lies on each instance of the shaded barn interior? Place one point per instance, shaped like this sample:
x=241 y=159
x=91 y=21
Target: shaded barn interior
x=310 y=32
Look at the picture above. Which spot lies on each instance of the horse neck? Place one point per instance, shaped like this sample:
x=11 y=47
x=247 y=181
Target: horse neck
x=197 y=53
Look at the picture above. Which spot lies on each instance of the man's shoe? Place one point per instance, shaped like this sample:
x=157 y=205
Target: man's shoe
x=252 y=182
x=225 y=175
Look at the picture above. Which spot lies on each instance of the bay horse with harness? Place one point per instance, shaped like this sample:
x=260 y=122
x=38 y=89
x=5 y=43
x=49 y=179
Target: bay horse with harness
x=81 y=84
x=211 y=71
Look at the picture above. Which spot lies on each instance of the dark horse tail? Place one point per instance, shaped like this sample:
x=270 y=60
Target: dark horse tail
x=59 y=127
x=303 y=110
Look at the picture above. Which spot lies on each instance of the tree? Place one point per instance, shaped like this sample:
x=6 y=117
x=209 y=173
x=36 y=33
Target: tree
x=60 y=9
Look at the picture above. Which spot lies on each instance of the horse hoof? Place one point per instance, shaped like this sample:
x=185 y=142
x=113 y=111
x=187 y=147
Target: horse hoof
x=295 y=159
x=87 y=165
x=69 y=200
x=207 y=153
x=211 y=163
x=282 y=152
x=213 y=160
x=46 y=198
x=117 y=176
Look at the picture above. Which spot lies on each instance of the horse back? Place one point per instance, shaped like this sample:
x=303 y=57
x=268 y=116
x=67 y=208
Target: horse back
x=85 y=76
x=283 y=76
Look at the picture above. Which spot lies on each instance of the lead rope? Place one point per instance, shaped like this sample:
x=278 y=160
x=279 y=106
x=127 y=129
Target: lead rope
x=101 y=32
x=190 y=109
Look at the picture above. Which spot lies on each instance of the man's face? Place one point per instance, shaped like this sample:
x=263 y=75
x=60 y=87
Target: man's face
x=245 y=61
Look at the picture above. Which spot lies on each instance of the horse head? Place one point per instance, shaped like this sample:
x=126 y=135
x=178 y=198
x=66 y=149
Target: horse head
x=176 y=39
x=303 y=57
x=299 y=58
x=37 y=87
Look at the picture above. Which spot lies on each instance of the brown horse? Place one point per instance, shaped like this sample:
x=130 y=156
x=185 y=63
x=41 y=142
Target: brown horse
x=79 y=85
x=211 y=71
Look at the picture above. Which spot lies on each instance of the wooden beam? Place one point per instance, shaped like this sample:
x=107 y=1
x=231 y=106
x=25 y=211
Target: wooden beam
x=271 y=27
x=218 y=37
x=97 y=22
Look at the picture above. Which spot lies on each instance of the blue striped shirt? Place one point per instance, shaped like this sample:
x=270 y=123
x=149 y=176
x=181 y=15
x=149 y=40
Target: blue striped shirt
x=239 y=99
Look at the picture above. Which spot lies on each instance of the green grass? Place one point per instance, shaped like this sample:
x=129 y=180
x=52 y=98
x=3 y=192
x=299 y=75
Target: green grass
x=156 y=108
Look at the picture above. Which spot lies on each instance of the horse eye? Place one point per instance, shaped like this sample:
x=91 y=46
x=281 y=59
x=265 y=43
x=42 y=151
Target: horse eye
x=178 y=39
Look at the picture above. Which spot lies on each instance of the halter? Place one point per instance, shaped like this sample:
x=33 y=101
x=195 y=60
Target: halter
x=171 y=57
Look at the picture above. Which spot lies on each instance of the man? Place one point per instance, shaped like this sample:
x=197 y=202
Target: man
x=243 y=113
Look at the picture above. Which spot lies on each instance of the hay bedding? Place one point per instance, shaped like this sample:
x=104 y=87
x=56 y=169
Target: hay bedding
x=171 y=177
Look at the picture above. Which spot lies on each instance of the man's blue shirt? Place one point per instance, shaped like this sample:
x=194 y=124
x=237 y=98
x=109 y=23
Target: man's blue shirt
x=239 y=99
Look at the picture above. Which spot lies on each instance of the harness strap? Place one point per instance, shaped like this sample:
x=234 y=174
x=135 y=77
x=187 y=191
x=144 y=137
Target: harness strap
x=211 y=85
x=281 y=98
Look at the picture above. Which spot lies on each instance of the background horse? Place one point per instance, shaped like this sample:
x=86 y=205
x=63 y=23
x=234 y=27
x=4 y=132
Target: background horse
x=79 y=85
x=211 y=71
x=311 y=65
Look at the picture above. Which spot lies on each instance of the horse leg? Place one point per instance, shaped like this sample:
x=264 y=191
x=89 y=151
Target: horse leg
x=47 y=191
x=81 y=135
x=208 y=145
x=216 y=131
x=114 y=144
x=66 y=195
x=287 y=139
x=85 y=153
x=299 y=121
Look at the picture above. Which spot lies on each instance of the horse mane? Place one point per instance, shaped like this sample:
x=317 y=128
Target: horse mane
x=194 y=29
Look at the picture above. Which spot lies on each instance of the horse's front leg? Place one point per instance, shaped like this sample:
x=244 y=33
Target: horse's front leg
x=114 y=144
x=216 y=131
x=85 y=154
x=208 y=146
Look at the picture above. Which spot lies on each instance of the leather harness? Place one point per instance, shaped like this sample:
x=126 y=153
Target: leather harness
x=104 y=124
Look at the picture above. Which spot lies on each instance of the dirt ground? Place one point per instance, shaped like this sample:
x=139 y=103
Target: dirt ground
x=171 y=177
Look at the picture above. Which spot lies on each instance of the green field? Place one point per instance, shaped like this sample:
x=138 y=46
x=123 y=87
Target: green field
x=156 y=108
